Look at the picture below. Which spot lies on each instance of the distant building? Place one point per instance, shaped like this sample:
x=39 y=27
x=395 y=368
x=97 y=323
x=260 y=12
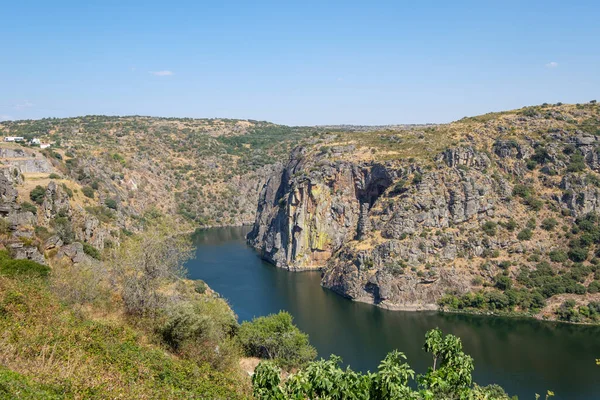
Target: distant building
x=14 y=138
x=44 y=145
x=35 y=141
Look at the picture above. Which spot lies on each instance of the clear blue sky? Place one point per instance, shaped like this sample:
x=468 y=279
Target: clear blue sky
x=309 y=62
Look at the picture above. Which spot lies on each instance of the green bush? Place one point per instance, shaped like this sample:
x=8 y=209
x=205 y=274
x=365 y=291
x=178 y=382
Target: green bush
x=88 y=192
x=549 y=224
x=558 y=256
x=525 y=234
x=594 y=287
x=91 y=251
x=276 y=337
x=111 y=203
x=510 y=225
x=577 y=254
x=54 y=176
x=27 y=206
x=522 y=191
x=200 y=286
x=203 y=331
x=577 y=163
x=503 y=282
x=489 y=228
x=37 y=194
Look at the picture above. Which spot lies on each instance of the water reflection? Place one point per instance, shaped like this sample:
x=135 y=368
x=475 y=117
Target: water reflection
x=525 y=356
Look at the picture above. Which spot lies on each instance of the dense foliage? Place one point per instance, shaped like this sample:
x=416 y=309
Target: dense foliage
x=448 y=378
x=275 y=337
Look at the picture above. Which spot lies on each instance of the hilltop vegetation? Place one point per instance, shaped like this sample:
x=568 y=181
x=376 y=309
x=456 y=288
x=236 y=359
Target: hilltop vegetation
x=207 y=170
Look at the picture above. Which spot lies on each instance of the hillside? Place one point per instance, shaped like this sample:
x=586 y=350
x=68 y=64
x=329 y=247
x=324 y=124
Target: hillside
x=208 y=171
x=494 y=213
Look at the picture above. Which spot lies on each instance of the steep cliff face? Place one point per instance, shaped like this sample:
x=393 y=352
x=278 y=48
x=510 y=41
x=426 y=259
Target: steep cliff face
x=353 y=219
x=401 y=231
x=305 y=214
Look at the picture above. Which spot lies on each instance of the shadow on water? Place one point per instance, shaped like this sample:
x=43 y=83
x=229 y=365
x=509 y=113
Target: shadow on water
x=524 y=356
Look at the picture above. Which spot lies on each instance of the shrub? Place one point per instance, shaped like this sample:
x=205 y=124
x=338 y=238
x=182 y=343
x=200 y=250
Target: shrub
x=577 y=163
x=27 y=206
x=67 y=190
x=88 y=192
x=503 y=282
x=202 y=331
x=577 y=254
x=534 y=203
x=64 y=229
x=522 y=191
x=510 y=225
x=200 y=286
x=489 y=228
x=54 y=176
x=541 y=155
x=549 y=224
x=37 y=194
x=417 y=178
x=91 y=251
x=558 y=256
x=594 y=287
x=111 y=203
x=567 y=311
x=276 y=337
x=525 y=234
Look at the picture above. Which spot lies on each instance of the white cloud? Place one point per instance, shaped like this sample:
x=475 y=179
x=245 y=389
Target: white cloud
x=552 y=64
x=162 y=73
x=340 y=79
x=132 y=69
x=5 y=117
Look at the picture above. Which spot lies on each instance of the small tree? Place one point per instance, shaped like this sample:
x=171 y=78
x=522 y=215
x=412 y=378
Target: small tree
x=275 y=337
x=145 y=264
x=37 y=194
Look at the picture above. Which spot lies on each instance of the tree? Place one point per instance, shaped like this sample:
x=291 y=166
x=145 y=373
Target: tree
x=37 y=194
x=275 y=337
x=145 y=264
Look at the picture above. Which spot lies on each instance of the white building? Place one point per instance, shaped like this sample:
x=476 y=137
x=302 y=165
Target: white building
x=35 y=141
x=13 y=138
x=44 y=145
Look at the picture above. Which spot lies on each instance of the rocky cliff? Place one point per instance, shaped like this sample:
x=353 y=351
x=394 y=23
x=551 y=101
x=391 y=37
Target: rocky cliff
x=402 y=218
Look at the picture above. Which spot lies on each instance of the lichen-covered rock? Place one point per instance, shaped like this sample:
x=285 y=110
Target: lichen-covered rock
x=19 y=251
x=73 y=252
x=305 y=214
x=353 y=219
x=55 y=201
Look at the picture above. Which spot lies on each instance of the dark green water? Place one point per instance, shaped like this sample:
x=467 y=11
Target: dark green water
x=522 y=355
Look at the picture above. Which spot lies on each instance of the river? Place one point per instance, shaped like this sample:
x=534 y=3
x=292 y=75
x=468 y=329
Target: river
x=524 y=356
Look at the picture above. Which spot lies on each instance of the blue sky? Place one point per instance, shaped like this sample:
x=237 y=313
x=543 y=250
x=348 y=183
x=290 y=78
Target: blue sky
x=298 y=63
